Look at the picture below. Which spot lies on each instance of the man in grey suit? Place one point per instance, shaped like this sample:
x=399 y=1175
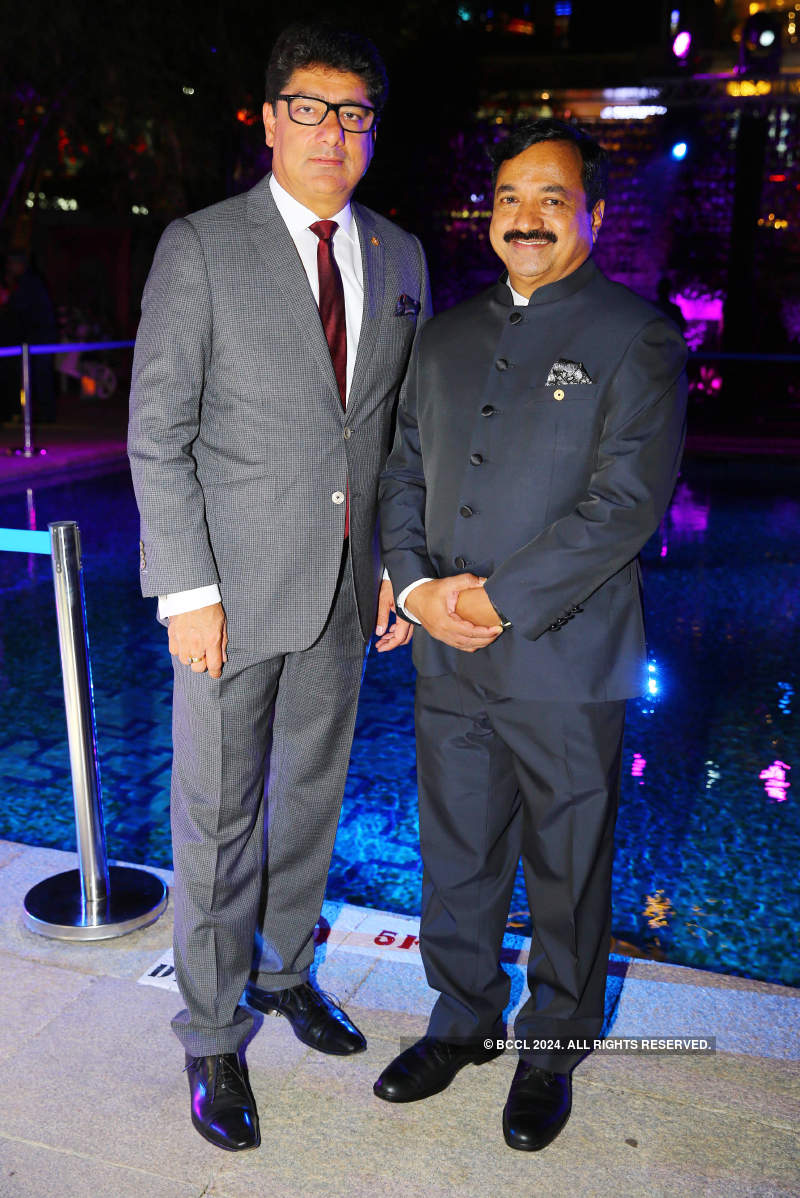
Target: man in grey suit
x=276 y=330
x=538 y=443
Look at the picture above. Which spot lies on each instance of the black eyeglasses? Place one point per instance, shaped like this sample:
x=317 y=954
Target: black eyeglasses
x=310 y=110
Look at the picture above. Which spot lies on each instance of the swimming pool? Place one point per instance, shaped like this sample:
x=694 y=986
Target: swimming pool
x=708 y=835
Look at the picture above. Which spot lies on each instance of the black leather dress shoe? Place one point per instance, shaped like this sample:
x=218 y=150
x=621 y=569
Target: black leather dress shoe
x=223 y=1107
x=315 y=1018
x=538 y=1106
x=428 y=1067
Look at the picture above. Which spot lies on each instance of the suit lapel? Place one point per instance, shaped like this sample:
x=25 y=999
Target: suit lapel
x=372 y=261
x=271 y=238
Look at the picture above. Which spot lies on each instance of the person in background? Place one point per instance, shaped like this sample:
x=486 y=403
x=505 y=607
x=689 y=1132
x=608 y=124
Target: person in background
x=28 y=316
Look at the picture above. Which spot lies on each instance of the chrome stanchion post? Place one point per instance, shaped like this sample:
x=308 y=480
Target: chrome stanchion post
x=81 y=733
x=92 y=902
x=27 y=416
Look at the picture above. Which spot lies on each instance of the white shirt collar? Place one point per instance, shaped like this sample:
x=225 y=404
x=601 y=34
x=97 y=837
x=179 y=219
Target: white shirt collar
x=297 y=217
x=517 y=298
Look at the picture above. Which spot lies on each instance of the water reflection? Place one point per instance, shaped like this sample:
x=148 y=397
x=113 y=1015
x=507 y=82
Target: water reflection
x=688 y=514
x=638 y=767
x=776 y=783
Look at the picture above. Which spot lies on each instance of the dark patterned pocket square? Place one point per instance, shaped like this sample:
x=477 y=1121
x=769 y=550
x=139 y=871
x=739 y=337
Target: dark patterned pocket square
x=563 y=373
x=406 y=306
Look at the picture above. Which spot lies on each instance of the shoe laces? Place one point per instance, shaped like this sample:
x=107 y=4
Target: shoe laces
x=547 y=1076
x=226 y=1073
x=315 y=996
x=440 y=1050
x=332 y=999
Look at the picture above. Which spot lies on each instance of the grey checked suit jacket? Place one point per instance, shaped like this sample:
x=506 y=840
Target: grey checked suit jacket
x=238 y=439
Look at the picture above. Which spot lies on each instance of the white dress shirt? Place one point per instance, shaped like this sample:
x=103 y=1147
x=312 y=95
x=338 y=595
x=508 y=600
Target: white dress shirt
x=401 y=598
x=347 y=252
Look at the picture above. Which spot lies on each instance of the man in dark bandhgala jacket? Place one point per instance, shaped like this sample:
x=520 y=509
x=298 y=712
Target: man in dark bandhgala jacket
x=537 y=447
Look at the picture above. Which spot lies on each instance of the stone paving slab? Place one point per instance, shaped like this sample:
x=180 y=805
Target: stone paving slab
x=33 y=1170
x=93 y=1100
x=33 y=995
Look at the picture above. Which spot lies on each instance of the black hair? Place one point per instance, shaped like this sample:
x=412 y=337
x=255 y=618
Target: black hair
x=595 y=159
x=306 y=45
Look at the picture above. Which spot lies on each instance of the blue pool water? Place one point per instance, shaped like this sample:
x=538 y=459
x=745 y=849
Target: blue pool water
x=708 y=834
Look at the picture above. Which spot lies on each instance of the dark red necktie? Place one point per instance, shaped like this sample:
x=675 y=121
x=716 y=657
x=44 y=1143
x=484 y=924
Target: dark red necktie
x=331 y=302
x=331 y=311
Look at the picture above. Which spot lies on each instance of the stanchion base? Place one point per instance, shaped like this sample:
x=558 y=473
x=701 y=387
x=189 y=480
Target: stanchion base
x=55 y=906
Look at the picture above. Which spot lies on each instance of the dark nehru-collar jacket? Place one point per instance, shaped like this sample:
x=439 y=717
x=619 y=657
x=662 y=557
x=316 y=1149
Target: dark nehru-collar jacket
x=549 y=490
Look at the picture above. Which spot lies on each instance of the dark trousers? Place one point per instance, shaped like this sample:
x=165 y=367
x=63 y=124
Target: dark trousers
x=501 y=778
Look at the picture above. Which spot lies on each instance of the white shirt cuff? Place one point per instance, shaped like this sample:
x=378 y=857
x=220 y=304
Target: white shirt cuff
x=400 y=601
x=182 y=601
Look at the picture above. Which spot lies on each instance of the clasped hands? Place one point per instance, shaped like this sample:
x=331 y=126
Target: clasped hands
x=457 y=611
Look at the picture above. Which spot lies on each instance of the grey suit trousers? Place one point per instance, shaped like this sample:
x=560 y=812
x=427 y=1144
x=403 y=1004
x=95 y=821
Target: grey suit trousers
x=259 y=767
x=501 y=778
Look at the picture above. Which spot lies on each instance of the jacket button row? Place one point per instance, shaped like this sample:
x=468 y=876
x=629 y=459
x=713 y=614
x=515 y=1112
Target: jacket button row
x=460 y=562
x=488 y=410
x=501 y=364
x=515 y=318
x=466 y=512
x=476 y=459
x=347 y=434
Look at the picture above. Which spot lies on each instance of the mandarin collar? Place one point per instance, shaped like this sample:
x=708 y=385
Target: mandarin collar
x=551 y=292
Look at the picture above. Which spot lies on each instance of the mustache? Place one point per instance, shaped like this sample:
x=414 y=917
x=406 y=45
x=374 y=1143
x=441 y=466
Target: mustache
x=533 y=235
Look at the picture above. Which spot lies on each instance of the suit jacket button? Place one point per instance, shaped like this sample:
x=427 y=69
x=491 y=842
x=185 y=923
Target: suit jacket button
x=476 y=458
x=466 y=512
x=558 y=393
x=338 y=496
x=501 y=364
x=460 y=562
x=487 y=410
x=347 y=434
x=515 y=318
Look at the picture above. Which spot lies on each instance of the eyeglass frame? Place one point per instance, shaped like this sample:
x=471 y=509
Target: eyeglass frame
x=287 y=96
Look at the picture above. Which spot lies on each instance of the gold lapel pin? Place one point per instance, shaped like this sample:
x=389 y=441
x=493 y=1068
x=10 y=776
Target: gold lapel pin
x=374 y=241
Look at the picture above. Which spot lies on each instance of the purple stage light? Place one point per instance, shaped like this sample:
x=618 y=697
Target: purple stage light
x=682 y=44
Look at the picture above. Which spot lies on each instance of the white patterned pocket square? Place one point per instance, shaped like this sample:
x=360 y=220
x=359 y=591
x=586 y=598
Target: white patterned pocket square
x=565 y=373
